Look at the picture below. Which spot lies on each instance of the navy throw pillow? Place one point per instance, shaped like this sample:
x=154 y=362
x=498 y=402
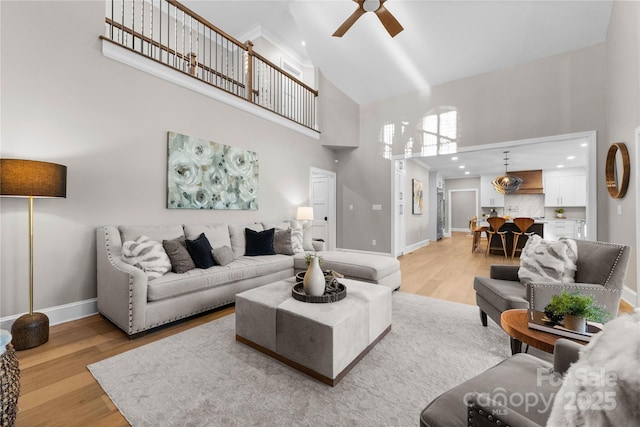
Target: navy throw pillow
x=259 y=242
x=200 y=251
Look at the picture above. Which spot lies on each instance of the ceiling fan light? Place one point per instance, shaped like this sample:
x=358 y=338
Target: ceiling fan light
x=371 y=5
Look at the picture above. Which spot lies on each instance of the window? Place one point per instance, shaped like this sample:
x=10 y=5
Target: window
x=439 y=132
x=386 y=139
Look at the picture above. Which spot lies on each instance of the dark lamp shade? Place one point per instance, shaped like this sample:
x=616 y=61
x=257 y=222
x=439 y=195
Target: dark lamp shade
x=25 y=178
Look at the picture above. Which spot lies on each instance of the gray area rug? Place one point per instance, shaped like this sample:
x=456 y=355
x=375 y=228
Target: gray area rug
x=203 y=377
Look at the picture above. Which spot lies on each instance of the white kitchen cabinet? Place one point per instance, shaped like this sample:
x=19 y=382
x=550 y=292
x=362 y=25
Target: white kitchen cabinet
x=569 y=228
x=565 y=190
x=489 y=197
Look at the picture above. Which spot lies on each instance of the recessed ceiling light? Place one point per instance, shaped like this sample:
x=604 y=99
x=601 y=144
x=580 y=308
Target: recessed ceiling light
x=560 y=166
x=461 y=166
x=584 y=144
x=467 y=173
x=454 y=158
x=304 y=43
x=571 y=157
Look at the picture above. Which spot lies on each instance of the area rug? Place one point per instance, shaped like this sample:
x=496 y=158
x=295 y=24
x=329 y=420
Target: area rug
x=203 y=377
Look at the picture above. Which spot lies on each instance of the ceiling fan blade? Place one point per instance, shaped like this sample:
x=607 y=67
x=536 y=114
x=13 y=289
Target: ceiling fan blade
x=390 y=23
x=350 y=20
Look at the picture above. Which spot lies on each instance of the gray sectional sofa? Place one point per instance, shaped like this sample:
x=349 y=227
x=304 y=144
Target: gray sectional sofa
x=134 y=303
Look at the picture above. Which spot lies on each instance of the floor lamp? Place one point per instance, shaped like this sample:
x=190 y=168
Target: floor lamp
x=31 y=179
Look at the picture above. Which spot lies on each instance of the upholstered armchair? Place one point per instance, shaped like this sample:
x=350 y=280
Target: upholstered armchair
x=600 y=272
x=481 y=400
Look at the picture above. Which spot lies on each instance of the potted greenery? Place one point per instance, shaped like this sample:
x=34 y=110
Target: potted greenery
x=560 y=213
x=574 y=309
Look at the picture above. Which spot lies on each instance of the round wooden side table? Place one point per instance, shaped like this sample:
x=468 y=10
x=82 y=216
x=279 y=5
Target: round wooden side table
x=516 y=323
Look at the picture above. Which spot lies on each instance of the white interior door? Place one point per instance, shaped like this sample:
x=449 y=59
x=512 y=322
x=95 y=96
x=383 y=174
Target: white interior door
x=400 y=197
x=322 y=196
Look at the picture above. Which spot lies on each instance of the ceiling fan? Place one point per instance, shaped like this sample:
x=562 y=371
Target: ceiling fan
x=391 y=24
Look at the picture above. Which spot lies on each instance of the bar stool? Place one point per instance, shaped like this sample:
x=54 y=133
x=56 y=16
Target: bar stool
x=496 y=222
x=523 y=225
x=477 y=233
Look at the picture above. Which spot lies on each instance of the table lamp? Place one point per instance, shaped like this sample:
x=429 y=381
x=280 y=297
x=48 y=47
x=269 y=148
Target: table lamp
x=31 y=179
x=305 y=213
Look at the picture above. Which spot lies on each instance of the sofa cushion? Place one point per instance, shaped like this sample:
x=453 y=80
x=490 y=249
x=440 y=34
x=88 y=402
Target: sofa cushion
x=503 y=294
x=217 y=234
x=200 y=251
x=259 y=242
x=282 y=242
x=222 y=255
x=354 y=265
x=238 y=239
x=548 y=261
x=172 y=284
x=176 y=249
x=148 y=255
x=153 y=232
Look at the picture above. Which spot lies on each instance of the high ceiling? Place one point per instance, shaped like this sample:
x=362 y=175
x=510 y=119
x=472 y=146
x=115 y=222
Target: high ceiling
x=442 y=40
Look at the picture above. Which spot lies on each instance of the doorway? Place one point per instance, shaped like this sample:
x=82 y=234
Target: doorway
x=322 y=196
x=463 y=204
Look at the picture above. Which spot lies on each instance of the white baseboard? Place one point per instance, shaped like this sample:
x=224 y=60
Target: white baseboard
x=363 y=252
x=461 y=229
x=630 y=296
x=416 y=246
x=60 y=313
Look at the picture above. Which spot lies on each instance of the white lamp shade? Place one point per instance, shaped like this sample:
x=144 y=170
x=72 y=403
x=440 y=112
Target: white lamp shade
x=305 y=213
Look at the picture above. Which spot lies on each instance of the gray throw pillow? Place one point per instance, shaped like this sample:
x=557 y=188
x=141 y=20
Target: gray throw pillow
x=223 y=255
x=282 y=242
x=176 y=249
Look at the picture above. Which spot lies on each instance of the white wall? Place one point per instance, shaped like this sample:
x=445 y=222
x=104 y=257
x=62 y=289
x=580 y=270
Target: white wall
x=623 y=117
x=63 y=101
x=552 y=96
x=416 y=226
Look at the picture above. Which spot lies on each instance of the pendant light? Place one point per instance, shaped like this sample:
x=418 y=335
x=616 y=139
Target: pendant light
x=506 y=184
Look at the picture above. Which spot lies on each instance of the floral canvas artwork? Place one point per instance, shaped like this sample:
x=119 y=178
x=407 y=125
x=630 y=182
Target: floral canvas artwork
x=207 y=175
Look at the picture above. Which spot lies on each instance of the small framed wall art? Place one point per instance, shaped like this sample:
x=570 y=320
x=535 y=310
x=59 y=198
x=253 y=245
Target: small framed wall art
x=418 y=197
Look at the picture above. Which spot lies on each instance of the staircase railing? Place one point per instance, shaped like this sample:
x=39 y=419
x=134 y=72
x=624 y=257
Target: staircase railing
x=168 y=32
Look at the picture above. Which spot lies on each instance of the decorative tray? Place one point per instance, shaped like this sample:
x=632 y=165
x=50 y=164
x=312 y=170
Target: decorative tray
x=332 y=294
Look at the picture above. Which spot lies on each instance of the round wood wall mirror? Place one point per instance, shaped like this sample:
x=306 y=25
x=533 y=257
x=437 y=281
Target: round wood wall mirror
x=617 y=170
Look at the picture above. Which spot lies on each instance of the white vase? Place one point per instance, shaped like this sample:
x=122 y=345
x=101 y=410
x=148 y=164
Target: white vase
x=575 y=323
x=314 y=279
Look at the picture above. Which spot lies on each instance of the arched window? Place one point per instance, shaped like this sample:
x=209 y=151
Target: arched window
x=439 y=132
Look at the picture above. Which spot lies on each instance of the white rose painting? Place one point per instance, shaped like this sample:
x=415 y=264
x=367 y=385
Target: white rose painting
x=207 y=175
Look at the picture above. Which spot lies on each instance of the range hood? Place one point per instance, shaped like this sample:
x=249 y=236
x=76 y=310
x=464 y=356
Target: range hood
x=531 y=181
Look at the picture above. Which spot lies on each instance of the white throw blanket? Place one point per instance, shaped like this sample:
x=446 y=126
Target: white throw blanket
x=603 y=387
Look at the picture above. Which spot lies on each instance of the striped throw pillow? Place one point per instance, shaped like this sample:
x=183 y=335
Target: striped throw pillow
x=548 y=261
x=148 y=255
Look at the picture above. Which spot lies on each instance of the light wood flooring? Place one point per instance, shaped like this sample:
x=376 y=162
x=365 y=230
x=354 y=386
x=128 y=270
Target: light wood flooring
x=58 y=390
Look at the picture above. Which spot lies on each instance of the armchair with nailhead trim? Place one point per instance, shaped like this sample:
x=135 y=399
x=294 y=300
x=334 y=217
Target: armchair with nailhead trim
x=518 y=391
x=601 y=268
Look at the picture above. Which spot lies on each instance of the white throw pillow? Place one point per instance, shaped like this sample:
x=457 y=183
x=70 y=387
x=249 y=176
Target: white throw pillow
x=148 y=255
x=548 y=261
x=297 y=238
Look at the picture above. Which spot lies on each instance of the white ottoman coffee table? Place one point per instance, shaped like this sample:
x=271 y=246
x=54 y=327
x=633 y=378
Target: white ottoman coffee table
x=322 y=340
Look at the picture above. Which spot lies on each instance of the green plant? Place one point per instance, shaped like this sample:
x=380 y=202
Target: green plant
x=308 y=257
x=560 y=210
x=574 y=304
